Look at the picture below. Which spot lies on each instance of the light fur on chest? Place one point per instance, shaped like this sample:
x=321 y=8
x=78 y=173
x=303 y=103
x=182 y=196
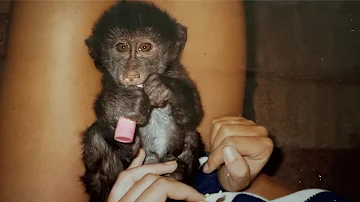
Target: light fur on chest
x=157 y=134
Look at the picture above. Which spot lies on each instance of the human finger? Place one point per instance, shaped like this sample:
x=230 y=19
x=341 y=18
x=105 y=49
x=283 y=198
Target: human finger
x=139 y=187
x=227 y=118
x=228 y=130
x=164 y=188
x=255 y=150
x=237 y=119
x=218 y=123
x=236 y=174
x=127 y=178
x=138 y=160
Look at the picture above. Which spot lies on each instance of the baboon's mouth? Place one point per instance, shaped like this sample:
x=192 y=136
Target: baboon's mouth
x=133 y=82
x=128 y=83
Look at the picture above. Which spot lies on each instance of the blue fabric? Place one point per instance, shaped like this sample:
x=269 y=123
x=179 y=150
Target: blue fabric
x=326 y=197
x=207 y=183
x=246 y=198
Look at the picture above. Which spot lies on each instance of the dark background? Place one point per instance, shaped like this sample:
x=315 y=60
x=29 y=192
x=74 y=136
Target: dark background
x=303 y=84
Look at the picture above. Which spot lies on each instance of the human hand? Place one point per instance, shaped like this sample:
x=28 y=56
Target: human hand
x=241 y=148
x=142 y=183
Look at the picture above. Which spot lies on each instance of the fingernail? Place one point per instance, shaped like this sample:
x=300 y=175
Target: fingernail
x=206 y=168
x=229 y=154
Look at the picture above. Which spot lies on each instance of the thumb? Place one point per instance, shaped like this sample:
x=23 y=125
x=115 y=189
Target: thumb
x=235 y=175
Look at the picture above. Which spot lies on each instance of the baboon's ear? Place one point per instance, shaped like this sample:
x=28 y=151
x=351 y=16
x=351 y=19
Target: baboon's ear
x=89 y=42
x=182 y=36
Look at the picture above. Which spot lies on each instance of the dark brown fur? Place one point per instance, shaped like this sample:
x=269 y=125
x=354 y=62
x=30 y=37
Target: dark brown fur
x=167 y=109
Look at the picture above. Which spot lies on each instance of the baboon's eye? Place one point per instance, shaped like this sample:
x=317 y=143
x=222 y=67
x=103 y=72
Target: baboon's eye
x=145 y=47
x=121 y=47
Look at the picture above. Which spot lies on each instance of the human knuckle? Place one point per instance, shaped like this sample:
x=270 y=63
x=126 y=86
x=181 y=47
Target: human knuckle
x=250 y=122
x=228 y=140
x=217 y=125
x=149 y=177
x=225 y=131
x=263 y=130
x=268 y=143
x=213 y=121
x=216 y=120
x=161 y=182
